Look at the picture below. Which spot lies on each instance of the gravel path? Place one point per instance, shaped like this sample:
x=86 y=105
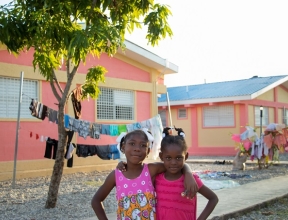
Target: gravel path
x=27 y=200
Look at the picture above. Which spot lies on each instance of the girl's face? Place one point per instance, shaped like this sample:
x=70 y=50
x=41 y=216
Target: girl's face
x=136 y=148
x=174 y=158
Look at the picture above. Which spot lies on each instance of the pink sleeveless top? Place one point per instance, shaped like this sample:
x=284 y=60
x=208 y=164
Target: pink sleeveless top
x=170 y=204
x=135 y=197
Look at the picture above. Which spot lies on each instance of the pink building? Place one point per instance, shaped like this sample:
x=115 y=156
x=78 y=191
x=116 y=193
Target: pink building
x=134 y=79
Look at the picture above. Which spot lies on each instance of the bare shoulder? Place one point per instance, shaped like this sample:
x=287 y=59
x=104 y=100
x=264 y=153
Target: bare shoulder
x=156 y=168
x=111 y=175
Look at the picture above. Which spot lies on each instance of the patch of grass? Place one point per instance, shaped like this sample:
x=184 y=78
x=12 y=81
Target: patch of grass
x=94 y=183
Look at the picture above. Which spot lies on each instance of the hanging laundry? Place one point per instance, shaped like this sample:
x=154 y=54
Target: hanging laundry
x=37 y=109
x=51 y=147
x=156 y=130
x=84 y=128
x=66 y=121
x=121 y=128
x=145 y=124
x=74 y=124
x=113 y=129
x=114 y=151
x=52 y=115
x=95 y=130
x=105 y=129
x=69 y=151
x=70 y=160
x=83 y=150
x=76 y=97
x=103 y=152
x=34 y=107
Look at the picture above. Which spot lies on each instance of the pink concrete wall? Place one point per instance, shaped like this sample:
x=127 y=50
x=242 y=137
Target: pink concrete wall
x=143 y=110
x=28 y=147
x=24 y=58
x=119 y=69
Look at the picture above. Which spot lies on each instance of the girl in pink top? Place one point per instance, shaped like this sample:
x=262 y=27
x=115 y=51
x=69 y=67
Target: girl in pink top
x=169 y=185
x=135 y=192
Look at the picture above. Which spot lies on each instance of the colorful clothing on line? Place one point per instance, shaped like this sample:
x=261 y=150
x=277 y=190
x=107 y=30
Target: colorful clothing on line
x=113 y=130
x=95 y=130
x=115 y=154
x=121 y=128
x=105 y=129
x=84 y=128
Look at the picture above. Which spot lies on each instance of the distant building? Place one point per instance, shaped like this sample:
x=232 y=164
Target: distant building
x=210 y=113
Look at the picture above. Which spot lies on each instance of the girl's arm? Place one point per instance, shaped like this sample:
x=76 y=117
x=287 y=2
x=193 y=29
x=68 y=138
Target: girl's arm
x=101 y=194
x=212 y=202
x=189 y=181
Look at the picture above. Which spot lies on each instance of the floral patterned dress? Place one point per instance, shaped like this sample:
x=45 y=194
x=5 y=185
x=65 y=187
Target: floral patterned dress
x=136 y=197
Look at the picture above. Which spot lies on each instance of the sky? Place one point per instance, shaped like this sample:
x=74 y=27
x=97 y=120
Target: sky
x=222 y=40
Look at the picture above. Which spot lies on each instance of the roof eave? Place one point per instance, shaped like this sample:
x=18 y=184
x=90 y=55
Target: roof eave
x=269 y=87
x=141 y=55
x=205 y=101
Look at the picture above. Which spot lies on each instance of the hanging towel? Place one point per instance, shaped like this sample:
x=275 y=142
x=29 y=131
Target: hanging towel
x=66 y=121
x=113 y=130
x=121 y=128
x=84 y=128
x=95 y=130
x=114 y=151
x=105 y=129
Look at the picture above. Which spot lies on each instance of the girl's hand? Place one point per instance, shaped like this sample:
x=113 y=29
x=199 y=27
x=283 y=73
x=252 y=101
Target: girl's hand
x=122 y=166
x=190 y=186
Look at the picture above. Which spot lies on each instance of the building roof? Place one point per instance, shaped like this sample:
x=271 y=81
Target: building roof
x=245 y=89
x=141 y=55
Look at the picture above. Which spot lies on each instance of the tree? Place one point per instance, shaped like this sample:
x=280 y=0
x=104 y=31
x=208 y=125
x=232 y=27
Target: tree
x=52 y=29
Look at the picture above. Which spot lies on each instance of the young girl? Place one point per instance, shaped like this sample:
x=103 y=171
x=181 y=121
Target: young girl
x=135 y=192
x=169 y=185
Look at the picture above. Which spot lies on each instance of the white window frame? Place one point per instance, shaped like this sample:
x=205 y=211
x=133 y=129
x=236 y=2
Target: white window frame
x=219 y=116
x=265 y=118
x=285 y=116
x=111 y=104
x=9 y=97
x=182 y=113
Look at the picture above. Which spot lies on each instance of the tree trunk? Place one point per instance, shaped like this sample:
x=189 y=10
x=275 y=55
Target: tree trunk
x=59 y=162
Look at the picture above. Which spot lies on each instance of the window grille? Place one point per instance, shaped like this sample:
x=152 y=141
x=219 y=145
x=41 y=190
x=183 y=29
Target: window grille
x=218 y=116
x=163 y=114
x=115 y=104
x=182 y=113
x=9 y=97
x=264 y=116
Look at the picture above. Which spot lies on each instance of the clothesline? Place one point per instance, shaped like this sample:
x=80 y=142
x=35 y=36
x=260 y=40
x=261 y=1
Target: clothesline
x=86 y=128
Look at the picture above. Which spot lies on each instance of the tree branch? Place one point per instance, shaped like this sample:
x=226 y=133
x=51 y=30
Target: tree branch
x=56 y=81
x=54 y=89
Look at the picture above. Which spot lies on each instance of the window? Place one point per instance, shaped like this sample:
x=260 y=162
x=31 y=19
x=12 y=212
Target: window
x=115 y=104
x=285 y=116
x=162 y=114
x=9 y=97
x=264 y=116
x=182 y=113
x=218 y=116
